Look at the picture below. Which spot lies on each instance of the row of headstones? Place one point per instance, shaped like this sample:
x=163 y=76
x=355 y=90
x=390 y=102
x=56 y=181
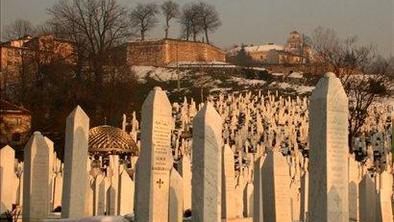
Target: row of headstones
x=11 y=181
x=253 y=122
x=295 y=185
x=110 y=192
x=102 y=193
x=42 y=181
x=153 y=175
x=329 y=175
x=106 y=194
x=158 y=184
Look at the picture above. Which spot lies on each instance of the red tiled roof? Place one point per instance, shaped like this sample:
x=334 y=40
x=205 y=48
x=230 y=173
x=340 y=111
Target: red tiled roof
x=7 y=107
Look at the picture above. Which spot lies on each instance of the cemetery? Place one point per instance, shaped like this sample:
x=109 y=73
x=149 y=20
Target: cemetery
x=196 y=111
x=237 y=157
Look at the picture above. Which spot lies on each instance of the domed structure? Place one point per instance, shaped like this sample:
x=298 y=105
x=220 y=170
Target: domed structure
x=111 y=140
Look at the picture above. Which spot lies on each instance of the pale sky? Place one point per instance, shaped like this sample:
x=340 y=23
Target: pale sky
x=263 y=21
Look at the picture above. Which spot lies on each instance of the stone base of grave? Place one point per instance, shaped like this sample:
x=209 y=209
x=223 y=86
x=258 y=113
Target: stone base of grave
x=91 y=219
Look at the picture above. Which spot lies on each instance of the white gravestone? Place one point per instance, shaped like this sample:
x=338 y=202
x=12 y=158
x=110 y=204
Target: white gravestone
x=113 y=191
x=57 y=191
x=89 y=197
x=75 y=178
x=52 y=158
x=206 y=165
x=126 y=194
x=248 y=200
x=304 y=196
x=186 y=172
x=258 y=190
x=154 y=163
x=354 y=180
x=175 y=197
x=385 y=196
x=36 y=179
x=228 y=184
x=7 y=184
x=367 y=199
x=276 y=188
x=328 y=169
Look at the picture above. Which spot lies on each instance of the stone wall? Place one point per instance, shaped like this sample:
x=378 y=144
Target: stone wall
x=167 y=51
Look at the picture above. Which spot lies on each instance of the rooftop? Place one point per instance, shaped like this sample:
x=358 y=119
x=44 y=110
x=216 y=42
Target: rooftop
x=7 y=107
x=110 y=140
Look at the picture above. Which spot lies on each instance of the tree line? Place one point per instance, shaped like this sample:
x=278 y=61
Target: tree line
x=194 y=19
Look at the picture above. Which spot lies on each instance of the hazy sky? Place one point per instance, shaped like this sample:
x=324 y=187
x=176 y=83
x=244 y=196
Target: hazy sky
x=262 y=21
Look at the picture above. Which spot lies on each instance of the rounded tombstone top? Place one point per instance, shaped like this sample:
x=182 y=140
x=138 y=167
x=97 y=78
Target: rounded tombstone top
x=157 y=88
x=37 y=133
x=330 y=75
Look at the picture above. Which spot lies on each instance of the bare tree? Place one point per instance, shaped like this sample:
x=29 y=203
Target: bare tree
x=190 y=21
x=144 y=17
x=208 y=18
x=170 y=10
x=18 y=29
x=363 y=76
x=95 y=25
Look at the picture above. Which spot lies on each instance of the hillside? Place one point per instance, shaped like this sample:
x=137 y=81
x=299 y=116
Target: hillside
x=199 y=82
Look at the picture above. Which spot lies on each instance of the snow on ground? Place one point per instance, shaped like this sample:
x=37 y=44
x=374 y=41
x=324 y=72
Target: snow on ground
x=282 y=85
x=157 y=73
x=277 y=74
x=258 y=68
x=256 y=48
x=300 y=89
x=221 y=89
x=304 y=89
x=296 y=75
x=217 y=64
x=242 y=81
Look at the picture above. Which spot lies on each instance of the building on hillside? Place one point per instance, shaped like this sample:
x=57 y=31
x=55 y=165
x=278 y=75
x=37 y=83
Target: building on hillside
x=169 y=51
x=15 y=124
x=19 y=55
x=49 y=48
x=10 y=65
x=294 y=41
x=18 y=43
x=293 y=52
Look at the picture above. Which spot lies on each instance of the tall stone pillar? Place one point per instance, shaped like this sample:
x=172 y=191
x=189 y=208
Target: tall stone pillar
x=75 y=178
x=175 y=197
x=114 y=174
x=258 y=191
x=154 y=163
x=206 y=165
x=228 y=184
x=186 y=173
x=126 y=194
x=276 y=188
x=36 y=179
x=8 y=182
x=368 y=197
x=385 y=208
x=328 y=135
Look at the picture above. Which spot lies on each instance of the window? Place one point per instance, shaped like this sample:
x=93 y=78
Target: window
x=18 y=121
